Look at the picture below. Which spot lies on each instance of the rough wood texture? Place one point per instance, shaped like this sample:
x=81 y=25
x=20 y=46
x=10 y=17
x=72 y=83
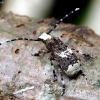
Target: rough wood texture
x=19 y=69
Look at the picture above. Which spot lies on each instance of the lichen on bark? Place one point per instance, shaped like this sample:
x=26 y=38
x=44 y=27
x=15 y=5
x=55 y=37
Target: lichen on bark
x=19 y=69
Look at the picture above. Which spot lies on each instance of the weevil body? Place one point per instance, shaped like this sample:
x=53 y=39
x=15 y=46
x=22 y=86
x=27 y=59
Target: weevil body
x=60 y=52
x=67 y=60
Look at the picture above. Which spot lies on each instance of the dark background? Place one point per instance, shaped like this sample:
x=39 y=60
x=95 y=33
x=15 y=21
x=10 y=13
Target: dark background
x=63 y=7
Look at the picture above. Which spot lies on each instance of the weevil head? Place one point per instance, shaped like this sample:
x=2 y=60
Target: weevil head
x=45 y=36
x=50 y=41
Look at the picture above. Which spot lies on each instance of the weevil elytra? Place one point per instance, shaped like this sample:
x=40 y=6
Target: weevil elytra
x=67 y=60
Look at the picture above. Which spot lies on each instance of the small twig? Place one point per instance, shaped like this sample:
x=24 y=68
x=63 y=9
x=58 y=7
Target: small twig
x=23 y=90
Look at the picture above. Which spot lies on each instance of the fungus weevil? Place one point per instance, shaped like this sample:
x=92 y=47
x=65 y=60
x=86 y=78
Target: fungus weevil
x=67 y=60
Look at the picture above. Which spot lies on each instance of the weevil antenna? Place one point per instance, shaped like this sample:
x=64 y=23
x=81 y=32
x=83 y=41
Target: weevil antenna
x=40 y=39
x=21 y=39
x=62 y=19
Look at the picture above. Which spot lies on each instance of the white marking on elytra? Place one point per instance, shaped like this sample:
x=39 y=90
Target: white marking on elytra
x=73 y=69
x=69 y=50
x=65 y=53
x=70 y=67
x=45 y=36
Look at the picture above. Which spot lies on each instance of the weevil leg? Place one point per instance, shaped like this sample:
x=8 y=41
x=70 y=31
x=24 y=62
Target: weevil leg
x=41 y=52
x=63 y=84
x=81 y=72
x=36 y=54
x=55 y=76
x=54 y=73
x=63 y=89
x=87 y=57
